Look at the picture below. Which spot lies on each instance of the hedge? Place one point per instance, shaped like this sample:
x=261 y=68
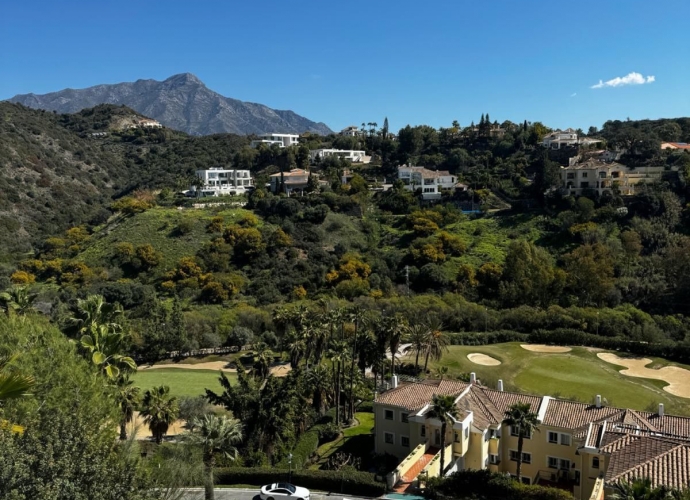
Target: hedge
x=347 y=482
x=484 y=338
x=307 y=444
x=490 y=485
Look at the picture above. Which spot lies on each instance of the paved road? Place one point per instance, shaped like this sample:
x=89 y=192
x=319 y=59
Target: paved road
x=241 y=494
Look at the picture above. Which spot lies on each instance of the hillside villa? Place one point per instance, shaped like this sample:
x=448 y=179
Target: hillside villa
x=220 y=181
x=431 y=182
x=354 y=156
x=281 y=140
x=583 y=448
x=600 y=176
x=675 y=145
x=351 y=131
x=296 y=180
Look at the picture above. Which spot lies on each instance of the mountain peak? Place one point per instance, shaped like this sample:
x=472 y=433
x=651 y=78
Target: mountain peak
x=180 y=102
x=183 y=79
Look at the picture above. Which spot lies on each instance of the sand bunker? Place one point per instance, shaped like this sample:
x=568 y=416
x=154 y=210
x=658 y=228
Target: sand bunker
x=545 y=348
x=678 y=378
x=210 y=365
x=483 y=359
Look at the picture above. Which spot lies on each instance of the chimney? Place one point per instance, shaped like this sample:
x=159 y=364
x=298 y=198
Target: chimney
x=661 y=409
x=598 y=401
x=394 y=381
x=473 y=378
x=500 y=385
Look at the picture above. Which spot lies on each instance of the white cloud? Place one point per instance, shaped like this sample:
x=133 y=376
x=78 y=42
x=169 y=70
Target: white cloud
x=573 y=94
x=629 y=79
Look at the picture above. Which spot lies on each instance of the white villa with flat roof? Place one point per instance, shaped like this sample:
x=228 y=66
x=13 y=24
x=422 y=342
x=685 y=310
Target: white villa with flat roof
x=348 y=154
x=282 y=140
x=220 y=181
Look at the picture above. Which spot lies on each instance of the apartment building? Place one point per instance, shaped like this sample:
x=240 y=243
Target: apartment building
x=349 y=154
x=220 y=181
x=351 y=131
x=281 y=140
x=583 y=448
x=431 y=182
x=600 y=176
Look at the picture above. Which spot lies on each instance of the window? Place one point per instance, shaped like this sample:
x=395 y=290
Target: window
x=467 y=432
x=388 y=438
x=565 y=439
x=584 y=175
x=404 y=417
x=422 y=431
x=570 y=176
x=514 y=432
x=404 y=441
x=602 y=175
x=457 y=437
x=557 y=437
x=564 y=464
x=553 y=437
x=388 y=414
x=584 y=185
x=553 y=462
x=595 y=462
x=493 y=459
x=526 y=457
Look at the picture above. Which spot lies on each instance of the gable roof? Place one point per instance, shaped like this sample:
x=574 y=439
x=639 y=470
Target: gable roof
x=414 y=396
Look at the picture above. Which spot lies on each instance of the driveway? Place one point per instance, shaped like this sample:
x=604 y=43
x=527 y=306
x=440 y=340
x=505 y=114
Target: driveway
x=243 y=494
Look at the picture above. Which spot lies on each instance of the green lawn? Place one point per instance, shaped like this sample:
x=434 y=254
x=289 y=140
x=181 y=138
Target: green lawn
x=578 y=374
x=352 y=439
x=181 y=382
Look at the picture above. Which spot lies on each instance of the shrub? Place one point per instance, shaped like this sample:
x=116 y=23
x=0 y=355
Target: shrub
x=495 y=337
x=22 y=278
x=347 y=482
x=486 y=484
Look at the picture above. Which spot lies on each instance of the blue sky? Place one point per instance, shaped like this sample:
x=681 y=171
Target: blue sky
x=417 y=62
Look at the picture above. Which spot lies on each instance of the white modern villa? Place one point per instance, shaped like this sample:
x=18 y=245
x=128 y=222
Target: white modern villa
x=431 y=182
x=282 y=140
x=349 y=154
x=220 y=181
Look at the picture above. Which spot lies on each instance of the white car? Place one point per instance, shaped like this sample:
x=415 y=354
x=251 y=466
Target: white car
x=283 y=491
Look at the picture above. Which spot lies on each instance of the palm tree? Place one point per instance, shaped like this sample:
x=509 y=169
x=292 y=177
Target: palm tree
x=159 y=410
x=320 y=382
x=640 y=489
x=416 y=336
x=214 y=434
x=94 y=310
x=106 y=343
x=262 y=359
x=526 y=422
x=13 y=385
x=18 y=300
x=435 y=341
x=443 y=408
x=128 y=399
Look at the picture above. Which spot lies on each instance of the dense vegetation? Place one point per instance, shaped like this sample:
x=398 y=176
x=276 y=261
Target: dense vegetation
x=133 y=273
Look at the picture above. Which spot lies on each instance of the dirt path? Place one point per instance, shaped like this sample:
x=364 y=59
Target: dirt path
x=678 y=378
x=545 y=348
x=141 y=430
x=483 y=359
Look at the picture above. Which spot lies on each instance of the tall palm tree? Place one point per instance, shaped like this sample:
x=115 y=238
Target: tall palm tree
x=128 y=399
x=435 y=341
x=321 y=383
x=159 y=410
x=94 y=310
x=262 y=359
x=416 y=335
x=443 y=408
x=214 y=434
x=526 y=422
x=12 y=384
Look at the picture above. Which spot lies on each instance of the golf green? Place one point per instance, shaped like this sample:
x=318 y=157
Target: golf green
x=182 y=382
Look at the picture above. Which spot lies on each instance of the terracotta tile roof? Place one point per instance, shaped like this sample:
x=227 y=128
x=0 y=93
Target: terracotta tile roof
x=485 y=412
x=414 y=396
x=573 y=415
x=594 y=435
x=664 y=461
x=503 y=400
x=293 y=172
x=671 y=425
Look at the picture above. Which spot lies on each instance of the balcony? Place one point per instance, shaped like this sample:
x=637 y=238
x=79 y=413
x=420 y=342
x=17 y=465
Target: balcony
x=561 y=479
